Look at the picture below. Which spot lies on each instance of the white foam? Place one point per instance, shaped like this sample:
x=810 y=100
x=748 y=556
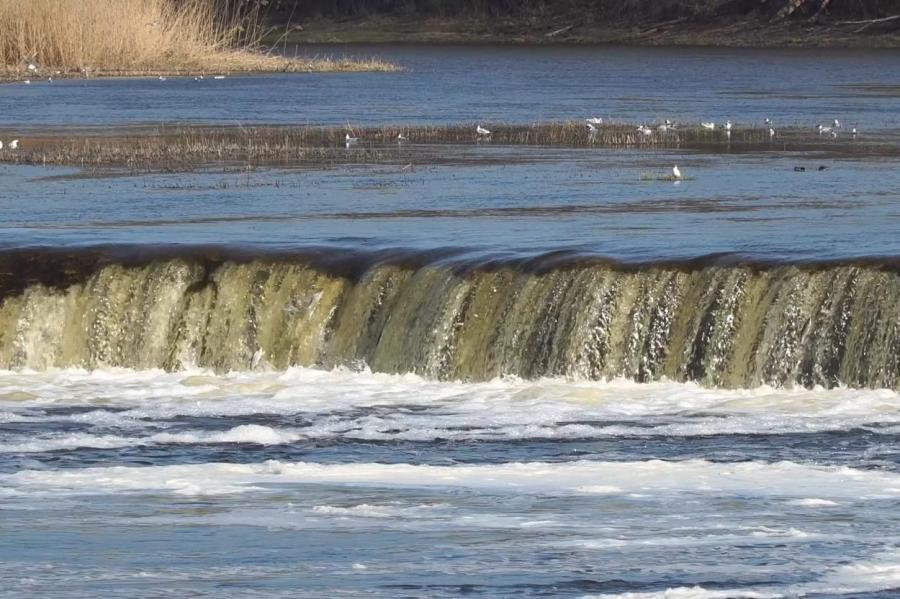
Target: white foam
x=245 y=433
x=691 y=593
x=371 y=406
x=812 y=502
x=653 y=477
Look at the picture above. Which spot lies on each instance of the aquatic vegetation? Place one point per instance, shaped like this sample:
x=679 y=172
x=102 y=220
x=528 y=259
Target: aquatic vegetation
x=42 y=38
x=186 y=147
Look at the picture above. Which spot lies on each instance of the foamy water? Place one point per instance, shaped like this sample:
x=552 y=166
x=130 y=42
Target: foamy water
x=123 y=483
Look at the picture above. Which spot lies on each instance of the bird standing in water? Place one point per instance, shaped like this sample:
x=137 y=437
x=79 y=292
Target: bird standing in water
x=676 y=172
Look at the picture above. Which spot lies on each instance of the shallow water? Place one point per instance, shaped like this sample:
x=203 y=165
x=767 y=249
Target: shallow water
x=498 y=201
x=315 y=483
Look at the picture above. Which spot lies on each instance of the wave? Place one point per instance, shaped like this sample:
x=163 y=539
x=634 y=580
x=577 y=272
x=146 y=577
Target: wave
x=719 y=321
x=783 y=480
x=102 y=409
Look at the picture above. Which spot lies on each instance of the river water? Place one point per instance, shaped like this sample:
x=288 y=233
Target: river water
x=234 y=461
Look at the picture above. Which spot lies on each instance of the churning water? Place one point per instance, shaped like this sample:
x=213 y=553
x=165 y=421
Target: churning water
x=521 y=372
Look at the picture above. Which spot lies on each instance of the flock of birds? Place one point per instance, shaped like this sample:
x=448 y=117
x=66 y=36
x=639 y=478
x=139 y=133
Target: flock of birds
x=593 y=124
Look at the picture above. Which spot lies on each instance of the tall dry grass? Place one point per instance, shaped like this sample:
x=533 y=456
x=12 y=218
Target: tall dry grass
x=133 y=36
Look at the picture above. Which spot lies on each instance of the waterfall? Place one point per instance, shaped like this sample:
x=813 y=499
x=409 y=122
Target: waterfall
x=728 y=325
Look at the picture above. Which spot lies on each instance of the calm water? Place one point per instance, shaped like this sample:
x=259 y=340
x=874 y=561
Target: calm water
x=327 y=484
x=501 y=202
x=513 y=84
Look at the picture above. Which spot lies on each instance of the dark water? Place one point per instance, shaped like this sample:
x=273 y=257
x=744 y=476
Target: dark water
x=513 y=84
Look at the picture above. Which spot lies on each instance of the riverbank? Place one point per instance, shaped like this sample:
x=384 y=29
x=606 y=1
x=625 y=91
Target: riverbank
x=248 y=63
x=141 y=38
x=744 y=32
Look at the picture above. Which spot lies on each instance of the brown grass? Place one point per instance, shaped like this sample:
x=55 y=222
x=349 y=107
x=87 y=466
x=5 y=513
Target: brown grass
x=138 y=37
x=183 y=148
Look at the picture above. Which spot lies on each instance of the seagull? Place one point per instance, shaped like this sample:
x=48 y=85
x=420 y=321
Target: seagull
x=728 y=126
x=834 y=134
x=350 y=140
x=823 y=129
x=32 y=67
x=768 y=121
x=836 y=124
x=771 y=132
x=161 y=78
x=14 y=144
x=663 y=128
x=27 y=82
x=594 y=120
x=854 y=132
x=676 y=171
x=401 y=138
x=479 y=130
x=219 y=77
x=710 y=126
x=591 y=128
x=645 y=130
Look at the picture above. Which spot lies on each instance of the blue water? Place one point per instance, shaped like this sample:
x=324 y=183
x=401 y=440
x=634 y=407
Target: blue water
x=516 y=203
x=327 y=484
x=498 y=83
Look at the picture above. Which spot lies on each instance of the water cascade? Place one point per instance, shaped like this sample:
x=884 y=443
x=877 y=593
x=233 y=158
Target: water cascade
x=730 y=325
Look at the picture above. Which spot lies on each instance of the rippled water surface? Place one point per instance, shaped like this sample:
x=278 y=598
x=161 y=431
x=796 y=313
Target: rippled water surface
x=517 y=84
x=315 y=483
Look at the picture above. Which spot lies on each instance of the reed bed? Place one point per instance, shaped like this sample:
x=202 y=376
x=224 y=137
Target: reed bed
x=183 y=148
x=41 y=38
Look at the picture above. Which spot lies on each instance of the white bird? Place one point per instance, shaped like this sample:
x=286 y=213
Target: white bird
x=401 y=137
x=1 y=145
x=645 y=130
x=49 y=79
x=161 y=78
x=710 y=126
x=595 y=120
x=728 y=126
x=663 y=128
x=771 y=132
x=27 y=82
x=14 y=144
x=768 y=121
x=854 y=132
x=823 y=129
x=219 y=77
x=592 y=129
x=482 y=131
x=350 y=140
x=32 y=67
x=834 y=134
x=836 y=124
x=676 y=171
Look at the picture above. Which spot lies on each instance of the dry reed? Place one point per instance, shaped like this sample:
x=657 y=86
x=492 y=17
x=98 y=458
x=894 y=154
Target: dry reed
x=182 y=148
x=137 y=37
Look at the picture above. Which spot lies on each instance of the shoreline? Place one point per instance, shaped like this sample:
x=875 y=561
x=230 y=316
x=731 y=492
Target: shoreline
x=9 y=74
x=742 y=33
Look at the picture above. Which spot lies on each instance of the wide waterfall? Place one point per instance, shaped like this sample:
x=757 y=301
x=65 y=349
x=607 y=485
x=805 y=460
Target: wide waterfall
x=721 y=324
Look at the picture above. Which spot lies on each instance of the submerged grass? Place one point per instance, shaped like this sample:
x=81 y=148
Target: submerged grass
x=183 y=148
x=140 y=37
